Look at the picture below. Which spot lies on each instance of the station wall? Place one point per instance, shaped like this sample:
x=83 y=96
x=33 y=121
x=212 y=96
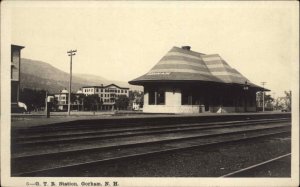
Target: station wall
x=173 y=104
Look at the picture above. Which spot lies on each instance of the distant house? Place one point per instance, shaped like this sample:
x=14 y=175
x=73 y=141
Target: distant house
x=15 y=77
x=108 y=94
x=137 y=104
x=62 y=100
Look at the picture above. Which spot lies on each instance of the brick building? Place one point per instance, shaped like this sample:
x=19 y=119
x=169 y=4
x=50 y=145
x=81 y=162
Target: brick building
x=15 y=76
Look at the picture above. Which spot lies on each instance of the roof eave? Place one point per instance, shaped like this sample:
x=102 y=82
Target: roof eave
x=143 y=82
x=17 y=46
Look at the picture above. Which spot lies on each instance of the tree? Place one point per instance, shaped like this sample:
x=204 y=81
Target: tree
x=288 y=100
x=34 y=99
x=284 y=103
x=136 y=96
x=55 y=104
x=141 y=101
x=73 y=98
x=268 y=100
x=92 y=102
x=122 y=102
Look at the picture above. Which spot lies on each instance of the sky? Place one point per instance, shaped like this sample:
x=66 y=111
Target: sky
x=124 y=40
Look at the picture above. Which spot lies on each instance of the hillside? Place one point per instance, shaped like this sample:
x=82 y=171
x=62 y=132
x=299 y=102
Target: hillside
x=41 y=75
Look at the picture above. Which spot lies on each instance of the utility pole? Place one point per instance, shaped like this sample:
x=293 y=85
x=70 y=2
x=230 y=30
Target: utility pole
x=274 y=101
x=70 y=53
x=290 y=101
x=263 y=84
x=46 y=107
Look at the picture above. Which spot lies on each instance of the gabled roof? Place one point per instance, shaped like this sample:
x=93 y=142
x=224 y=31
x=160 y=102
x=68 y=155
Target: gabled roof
x=185 y=65
x=105 y=86
x=116 y=86
x=93 y=86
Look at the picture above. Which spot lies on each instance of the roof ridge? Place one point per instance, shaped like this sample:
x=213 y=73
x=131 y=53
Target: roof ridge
x=186 y=51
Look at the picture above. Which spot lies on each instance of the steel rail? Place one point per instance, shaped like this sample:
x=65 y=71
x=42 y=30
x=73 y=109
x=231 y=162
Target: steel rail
x=106 y=135
x=178 y=128
x=149 y=142
x=255 y=166
x=55 y=127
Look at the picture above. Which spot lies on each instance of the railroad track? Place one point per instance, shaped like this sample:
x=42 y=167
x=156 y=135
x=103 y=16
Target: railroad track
x=53 y=137
x=37 y=157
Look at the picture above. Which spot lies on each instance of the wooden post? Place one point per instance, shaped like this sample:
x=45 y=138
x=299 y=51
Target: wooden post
x=70 y=53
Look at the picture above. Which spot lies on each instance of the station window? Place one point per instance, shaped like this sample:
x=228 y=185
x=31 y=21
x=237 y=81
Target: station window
x=151 y=98
x=186 y=99
x=160 y=97
x=156 y=97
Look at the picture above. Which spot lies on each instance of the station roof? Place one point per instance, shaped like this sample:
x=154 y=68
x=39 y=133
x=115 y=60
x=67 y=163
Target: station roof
x=185 y=65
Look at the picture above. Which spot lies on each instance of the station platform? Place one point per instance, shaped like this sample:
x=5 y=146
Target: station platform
x=31 y=120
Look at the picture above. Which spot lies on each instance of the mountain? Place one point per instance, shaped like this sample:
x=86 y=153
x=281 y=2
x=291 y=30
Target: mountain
x=41 y=75
x=90 y=77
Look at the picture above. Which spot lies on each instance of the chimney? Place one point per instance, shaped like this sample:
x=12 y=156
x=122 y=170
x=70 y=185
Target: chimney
x=186 y=48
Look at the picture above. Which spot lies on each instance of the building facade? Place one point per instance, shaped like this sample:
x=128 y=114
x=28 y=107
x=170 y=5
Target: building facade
x=108 y=94
x=185 y=81
x=15 y=76
x=62 y=100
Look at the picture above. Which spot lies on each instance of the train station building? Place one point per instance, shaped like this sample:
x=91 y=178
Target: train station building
x=185 y=81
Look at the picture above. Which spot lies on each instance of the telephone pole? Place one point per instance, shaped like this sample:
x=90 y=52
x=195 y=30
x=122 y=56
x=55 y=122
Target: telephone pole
x=263 y=84
x=70 y=53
